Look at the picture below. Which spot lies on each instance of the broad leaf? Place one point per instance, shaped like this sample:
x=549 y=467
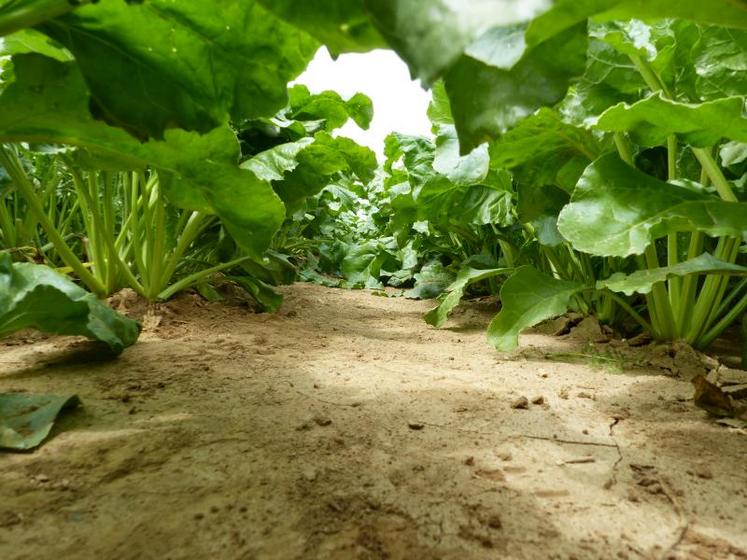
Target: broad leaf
x=342 y=25
x=431 y=281
x=466 y=276
x=487 y=101
x=642 y=281
x=529 y=297
x=540 y=206
x=566 y=13
x=35 y=296
x=543 y=150
x=653 y=119
x=441 y=201
x=273 y=164
x=26 y=420
x=31 y=41
x=617 y=210
x=160 y=64
x=431 y=35
x=464 y=170
x=48 y=103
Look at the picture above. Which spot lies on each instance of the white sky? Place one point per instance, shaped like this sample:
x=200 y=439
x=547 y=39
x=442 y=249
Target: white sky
x=400 y=104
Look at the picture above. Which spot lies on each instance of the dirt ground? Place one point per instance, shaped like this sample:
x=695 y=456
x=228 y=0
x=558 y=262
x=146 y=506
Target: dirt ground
x=344 y=427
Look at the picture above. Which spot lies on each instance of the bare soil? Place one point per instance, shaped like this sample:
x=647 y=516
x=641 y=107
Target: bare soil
x=344 y=427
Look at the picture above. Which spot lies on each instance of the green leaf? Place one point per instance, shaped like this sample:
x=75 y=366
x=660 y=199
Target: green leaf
x=651 y=120
x=463 y=170
x=431 y=35
x=48 y=103
x=26 y=420
x=417 y=154
x=540 y=206
x=487 y=101
x=342 y=25
x=566 y=13
x=617 y=210
x=539 y=137
x=263 y=293
x=31 y=41
x=361 y=110
x=713 y=61
x=642 y=281
x=302 y=169
x=529 y=297
x=726 y=13
x=35 y=296
x=733 y=153
x=543 y=150
x=439 y=109
x=273 y=164
x=431 y=281
x=466 y=276
x=191 y=64
x=330 y=107
x=444 y=202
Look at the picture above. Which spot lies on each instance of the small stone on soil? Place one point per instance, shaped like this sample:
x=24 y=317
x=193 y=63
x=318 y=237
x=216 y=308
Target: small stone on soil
x=415 y=425
x=322 y=420
x=538 y=400
x=520 y=403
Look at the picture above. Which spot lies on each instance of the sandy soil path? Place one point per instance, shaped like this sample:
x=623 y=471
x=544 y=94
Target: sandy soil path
x=344 y=427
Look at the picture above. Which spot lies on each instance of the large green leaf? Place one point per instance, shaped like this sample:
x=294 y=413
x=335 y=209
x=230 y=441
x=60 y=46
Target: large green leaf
x=466 y=276
x=464 y=170
x=642 y=281
x=489 y=202
x=712 y=61
x=417 y=154
x=431 y=281
x=543 y=150
x=342 y=25
x=159 y=64
x=273 y=164
x=540 y=206
x=539 y=137
x=617 y=210
x=431 y=35
x=302 y=169
x=486 y=100
x=529 y=297
x=35 y=296
x=610 y=77
x=31 y=41
x=653 y=119
x=48 y=103
x=566 y=13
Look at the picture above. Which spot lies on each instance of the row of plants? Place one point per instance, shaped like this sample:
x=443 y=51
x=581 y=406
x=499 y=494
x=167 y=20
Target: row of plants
x=588 y=156
x=625 y=199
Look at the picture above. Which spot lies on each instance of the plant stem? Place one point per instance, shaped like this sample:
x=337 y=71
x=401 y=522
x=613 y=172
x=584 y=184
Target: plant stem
x=187 y=281
x=632 y=312
x=724 y=323
x=673 y=250
x=660 y=309
x=13 y=166
x=715 y=174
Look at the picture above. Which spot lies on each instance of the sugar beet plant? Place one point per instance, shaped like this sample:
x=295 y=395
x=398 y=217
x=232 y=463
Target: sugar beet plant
x=618 y=143
x=625 y=139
